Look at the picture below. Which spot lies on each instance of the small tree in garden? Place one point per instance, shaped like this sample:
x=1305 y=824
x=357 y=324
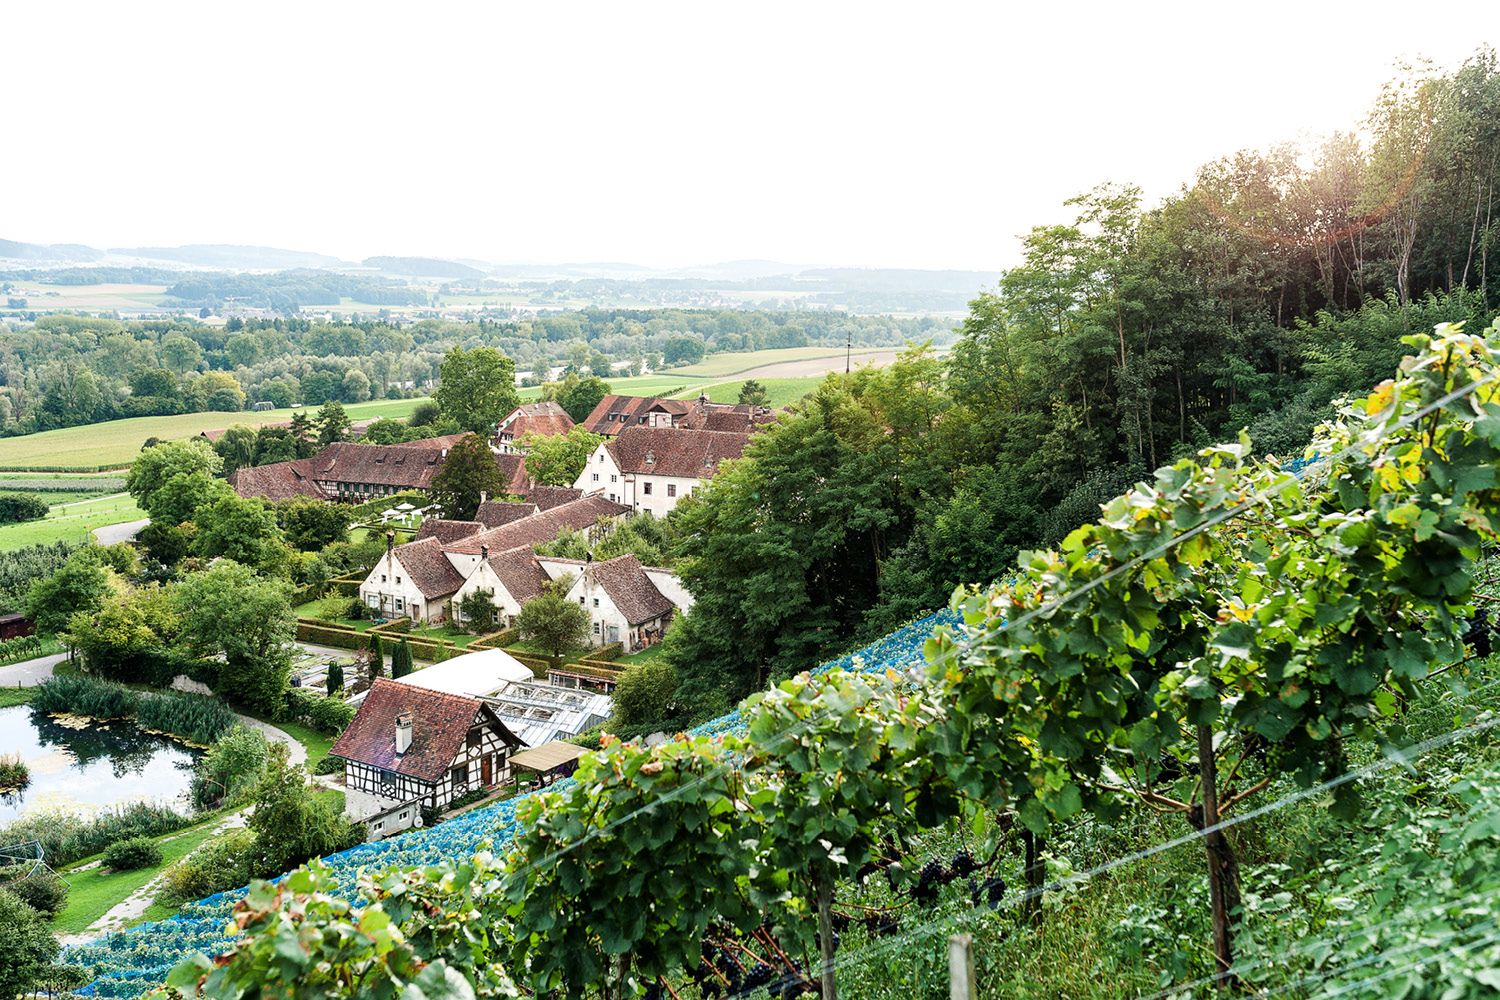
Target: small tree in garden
x=478 y=611
x=335 y=681
x=376 y=655
x=553 y=622
x=401 y=659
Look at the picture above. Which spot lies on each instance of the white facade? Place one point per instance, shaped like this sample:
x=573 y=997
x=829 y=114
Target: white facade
x=484 y=578
x=389 y=591
x=640 y=491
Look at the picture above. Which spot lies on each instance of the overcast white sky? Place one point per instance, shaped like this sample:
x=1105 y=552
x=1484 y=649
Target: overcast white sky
x=918 y=134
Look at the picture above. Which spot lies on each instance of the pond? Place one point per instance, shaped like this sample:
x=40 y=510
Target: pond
x=82 y=766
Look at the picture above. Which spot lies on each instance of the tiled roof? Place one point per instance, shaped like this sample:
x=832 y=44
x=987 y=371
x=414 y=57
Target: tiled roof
x=519 y=570
x=445 y=441
x=407 y=467
x=448 y=531
x=493 y=513
x=277 y=481
x=615 y=413
x=674 y=451
x=544 y=527
x=612 y=413
x=630 y=589
x=429 y=569
x=513 y=471
x=440 y=726
x=544 y=419
x=547 y=497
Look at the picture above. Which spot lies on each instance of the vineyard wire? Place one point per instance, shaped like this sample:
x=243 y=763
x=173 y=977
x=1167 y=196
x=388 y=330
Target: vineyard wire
x=1361 y=441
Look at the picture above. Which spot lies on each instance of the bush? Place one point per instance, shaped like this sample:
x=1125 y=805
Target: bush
x=42 y=891
x=13 y=771
x=82 y=695
x=194 y=717
x=128 y=855
x=66 y=838
x=330 y=634
x=329 y=716
x=609 y=653
x=22 y=507
x=329 y=764
x=224 y=863
x=231 y=769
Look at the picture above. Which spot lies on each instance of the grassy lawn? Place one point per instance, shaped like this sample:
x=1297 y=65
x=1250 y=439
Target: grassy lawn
x=10 y=697
x=315 y=743
x=783 y=391
x=72 y=522
x=646 y=655
x=532 y=649
x=95 y=892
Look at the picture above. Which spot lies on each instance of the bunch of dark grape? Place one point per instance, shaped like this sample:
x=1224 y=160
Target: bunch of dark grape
x=759 y=976
x=879 y=924
x=653 y=990
x=991 y=889
x=1480 y=634
x=962 y=864
x=840 y=921
x=929 y=879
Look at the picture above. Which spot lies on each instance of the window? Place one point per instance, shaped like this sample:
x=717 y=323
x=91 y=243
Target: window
x=596 y=477
x=398 y=579
x=398 y=604
x=612 y=498
x=473 y=740
x=614 y=479
x=596 y=602
x=646 y=489
x=581 y=602
x=671 y=489
x=596 y=628
x=382 y=578
x=460 y=774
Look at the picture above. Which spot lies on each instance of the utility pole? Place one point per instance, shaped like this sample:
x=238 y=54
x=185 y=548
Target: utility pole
x=848 y=349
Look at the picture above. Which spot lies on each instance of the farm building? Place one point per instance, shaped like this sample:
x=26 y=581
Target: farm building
x=653 y=467
x=544 y=419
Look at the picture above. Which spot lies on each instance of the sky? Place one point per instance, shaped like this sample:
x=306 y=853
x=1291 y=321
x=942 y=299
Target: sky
x=922 y=135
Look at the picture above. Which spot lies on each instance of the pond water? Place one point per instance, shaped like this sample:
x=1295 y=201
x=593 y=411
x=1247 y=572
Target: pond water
x=91 y=767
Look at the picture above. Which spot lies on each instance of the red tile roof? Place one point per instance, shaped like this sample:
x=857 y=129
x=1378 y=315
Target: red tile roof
x=406 y=467
x=513 y=471
x=544 y=527
x=632 y=592
x=429 y=570
x=440 y=726
x=547 y=497
x=544 y=419
x=519 y=570
x=277 y=481
x=448 y=531
x=445 y=441
x=493 y=513
x=674 y=451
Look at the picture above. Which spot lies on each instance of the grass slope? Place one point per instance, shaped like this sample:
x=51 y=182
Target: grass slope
x=71 y=522
x=95 y=891
x=782 y=391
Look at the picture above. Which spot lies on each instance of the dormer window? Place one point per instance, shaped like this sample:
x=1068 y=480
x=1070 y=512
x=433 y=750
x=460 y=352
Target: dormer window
x=650 y=458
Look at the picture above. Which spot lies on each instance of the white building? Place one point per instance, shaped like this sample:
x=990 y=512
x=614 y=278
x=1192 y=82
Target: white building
x=624 y=603
x=652 y=468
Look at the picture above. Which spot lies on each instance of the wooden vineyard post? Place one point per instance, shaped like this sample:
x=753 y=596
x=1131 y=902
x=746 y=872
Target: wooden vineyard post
x=1223 y=869
x=961 y=967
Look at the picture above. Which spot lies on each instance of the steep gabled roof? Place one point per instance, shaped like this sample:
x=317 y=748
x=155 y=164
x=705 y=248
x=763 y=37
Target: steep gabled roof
x=543 y=527
x=547 y=497
x=674 y=451
x=513 y=471
x=544 y=419
x=632 y=592
x=520 y=572
x=429 y=569
x=440 y=725
x=404 y=466
x=277 y=481
x=494 y=513
x=444 y=441
x=613 y=413
x=448 y=531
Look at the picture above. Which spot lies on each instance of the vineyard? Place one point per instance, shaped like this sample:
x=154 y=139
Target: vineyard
x=20 y=647
x=1230 y=633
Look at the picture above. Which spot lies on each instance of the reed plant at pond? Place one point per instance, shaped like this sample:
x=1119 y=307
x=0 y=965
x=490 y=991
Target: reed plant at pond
x=66 y=838
x=13 y=772
x=80 y=695
x=193 y=717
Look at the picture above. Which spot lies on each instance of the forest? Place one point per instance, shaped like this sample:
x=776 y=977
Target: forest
x=1129 y=336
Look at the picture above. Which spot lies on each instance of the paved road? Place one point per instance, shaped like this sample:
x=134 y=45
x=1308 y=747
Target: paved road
x=30 y=673
x=111 y=533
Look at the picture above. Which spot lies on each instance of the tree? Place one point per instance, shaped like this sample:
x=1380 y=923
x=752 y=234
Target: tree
x=581 y=398
x=684 y=350
x=310 y=524
x=645 y=695
x=335 y=679
x=238 y=528
x=236 y=446
x=468 y=474
x=356 y=386
x=553 y=622
x=27 y=948
x=249 y=619
x=376 y=651
x=477 y=388
x=159 y=463
x=275 y=444
x=477 y=609
x=559 y=459
x=401 y=659
x=79 y=586
x=180 y=498
x=125 y=637
x=425 y=414
x=180 y=353
x=221 y=391
x=290 y=823
x=754 y=394
x=332 y=422
x=278 y=394
x=168 y=544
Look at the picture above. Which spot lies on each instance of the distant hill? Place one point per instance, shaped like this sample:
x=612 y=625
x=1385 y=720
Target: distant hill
x=740 y=270
x=231 y=257
x=38 y=251
x=424 y=267
x=902 y=279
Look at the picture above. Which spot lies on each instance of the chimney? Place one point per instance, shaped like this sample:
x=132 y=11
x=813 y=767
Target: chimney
x=403 y=732
x=484 y=553
x=484 y=496
x=390 y=542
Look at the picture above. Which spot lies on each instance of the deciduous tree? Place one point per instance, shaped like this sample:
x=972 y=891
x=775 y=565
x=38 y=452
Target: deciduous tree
x=477 y=388
x=469 y=473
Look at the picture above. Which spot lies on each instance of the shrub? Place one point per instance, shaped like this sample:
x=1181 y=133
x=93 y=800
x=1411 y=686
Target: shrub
x=608 y=653
x=13 y=771
x=42 y=891
x=224 y=863
x=66 y=838
x=22 y=507
x=329 y=716
x=82 y=695
x=128 y=855
x=231 y=769
x=329 y=764
x=335 y=681
x=329 y=634
x=194 y=717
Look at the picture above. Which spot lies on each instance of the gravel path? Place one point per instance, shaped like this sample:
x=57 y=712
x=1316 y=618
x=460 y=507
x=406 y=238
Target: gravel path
x=111 y=533
x=30 y=673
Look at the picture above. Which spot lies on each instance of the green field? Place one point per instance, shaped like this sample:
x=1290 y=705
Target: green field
x=783 y=391
x=71 y=523
x=95 y=891
x=719 y=365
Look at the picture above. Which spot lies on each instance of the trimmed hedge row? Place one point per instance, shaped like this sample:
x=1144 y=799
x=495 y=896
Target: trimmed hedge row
x=330 y=634
x=64 y=468
x=593 y=668
x=538 y=664
x=394 y=627
x=608 y=654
